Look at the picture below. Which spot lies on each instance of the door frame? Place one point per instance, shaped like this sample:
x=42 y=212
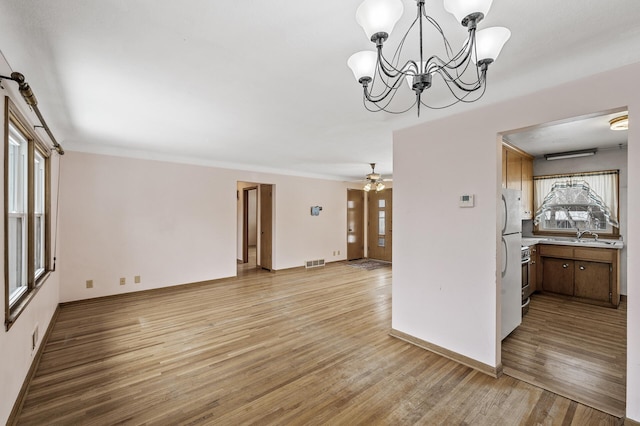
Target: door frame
x=245 y=221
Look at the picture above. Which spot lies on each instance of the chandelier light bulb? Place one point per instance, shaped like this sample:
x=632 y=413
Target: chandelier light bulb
x=367 y=187
x=379 y=187
x=363 y=64
x=489 y=43
x=462 y=9
x=379 y=16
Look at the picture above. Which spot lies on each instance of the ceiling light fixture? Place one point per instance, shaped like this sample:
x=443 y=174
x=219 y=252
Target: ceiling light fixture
x=374 y=180
x=381 y=78
x=571 y=154
x=619 y=123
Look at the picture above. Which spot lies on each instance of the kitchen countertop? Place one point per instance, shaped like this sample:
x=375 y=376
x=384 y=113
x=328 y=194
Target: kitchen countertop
x=569 y=241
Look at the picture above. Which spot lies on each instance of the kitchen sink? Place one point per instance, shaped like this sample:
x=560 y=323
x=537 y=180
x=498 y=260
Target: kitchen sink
x=583 y=242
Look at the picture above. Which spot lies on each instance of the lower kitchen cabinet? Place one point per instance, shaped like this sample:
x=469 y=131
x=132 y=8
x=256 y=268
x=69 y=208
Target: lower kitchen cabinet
x=557 y=276
x=589 y=274
x=591 y=279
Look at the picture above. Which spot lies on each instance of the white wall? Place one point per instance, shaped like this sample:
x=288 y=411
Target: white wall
x=445 y=288
x=15 y=344
x=176 y=223
x=604 y=160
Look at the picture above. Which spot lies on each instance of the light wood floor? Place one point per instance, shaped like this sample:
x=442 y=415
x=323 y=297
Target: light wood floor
x=291 y=347
x=573 y=349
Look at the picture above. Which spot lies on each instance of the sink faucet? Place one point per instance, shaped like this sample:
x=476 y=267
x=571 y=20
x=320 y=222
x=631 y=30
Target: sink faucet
x=580 y=234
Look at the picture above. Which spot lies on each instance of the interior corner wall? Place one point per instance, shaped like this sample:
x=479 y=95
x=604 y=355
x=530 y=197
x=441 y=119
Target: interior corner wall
x=445 y=272
x=16 y=353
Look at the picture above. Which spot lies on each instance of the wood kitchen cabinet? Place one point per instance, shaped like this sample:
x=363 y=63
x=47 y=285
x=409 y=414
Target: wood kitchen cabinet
x=586 y=273
x=558 y=276
x=517 y=173
x=591 y=280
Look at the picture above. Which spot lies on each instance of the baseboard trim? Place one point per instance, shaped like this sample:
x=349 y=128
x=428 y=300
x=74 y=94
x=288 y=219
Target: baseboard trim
x=17 y=406
x=629 y=422
x=149 y=290
x=454 y=356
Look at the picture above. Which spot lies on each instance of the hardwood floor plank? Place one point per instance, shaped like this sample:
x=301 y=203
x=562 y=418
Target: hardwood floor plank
x=573 y=349
x=297 y=347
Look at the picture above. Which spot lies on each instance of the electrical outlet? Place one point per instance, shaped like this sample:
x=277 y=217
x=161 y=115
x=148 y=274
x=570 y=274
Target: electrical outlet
x=338 y=252
x=123 y=281
x=334 y=252
x=89 y=283
x=136 y=279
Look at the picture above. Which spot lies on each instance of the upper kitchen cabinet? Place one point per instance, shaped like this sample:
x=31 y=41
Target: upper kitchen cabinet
x=517 y=173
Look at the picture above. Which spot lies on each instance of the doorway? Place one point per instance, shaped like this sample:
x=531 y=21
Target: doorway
x=379 y=224
x=250 y=226
x=255 y=226
x=355 y=224
x=568 y=347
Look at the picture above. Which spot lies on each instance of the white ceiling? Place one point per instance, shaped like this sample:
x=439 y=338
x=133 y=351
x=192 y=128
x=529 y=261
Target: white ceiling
x=576 y=133
x=263 y=85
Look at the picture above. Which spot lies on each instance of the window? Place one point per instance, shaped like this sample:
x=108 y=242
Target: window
x=579 y=201
x=26 y=221
x=17 y=214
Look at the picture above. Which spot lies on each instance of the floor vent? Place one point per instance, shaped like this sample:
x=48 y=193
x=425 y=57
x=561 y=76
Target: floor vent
x=314 y=263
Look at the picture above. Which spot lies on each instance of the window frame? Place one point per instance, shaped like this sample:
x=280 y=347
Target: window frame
x=615 y=231
x=34 y=279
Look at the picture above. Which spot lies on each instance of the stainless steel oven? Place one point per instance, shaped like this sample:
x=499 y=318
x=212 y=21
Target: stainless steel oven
x=526 y=276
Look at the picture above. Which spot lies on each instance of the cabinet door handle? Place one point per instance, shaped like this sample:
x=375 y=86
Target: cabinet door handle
x=533 y=262
x=566 y=265
x=582 y=268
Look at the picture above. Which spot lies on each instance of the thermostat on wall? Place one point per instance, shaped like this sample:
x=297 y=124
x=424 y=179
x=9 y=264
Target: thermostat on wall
x=466 y=200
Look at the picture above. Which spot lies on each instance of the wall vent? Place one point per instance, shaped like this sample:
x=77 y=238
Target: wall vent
x=314 y=263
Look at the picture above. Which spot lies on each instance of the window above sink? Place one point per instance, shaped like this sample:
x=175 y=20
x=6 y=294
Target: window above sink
x=566 y=204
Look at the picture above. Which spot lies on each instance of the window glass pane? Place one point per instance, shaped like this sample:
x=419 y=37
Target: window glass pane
x=17 y=259
x=381 y=223
x=39 y=199
x=38 y=184
x=381 y=242
x=17 y=173
x=382 y=203
x=577 y=201
x=17 y=218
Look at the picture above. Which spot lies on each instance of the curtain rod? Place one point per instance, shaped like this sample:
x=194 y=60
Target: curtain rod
x=30 y=99
x=577 y=174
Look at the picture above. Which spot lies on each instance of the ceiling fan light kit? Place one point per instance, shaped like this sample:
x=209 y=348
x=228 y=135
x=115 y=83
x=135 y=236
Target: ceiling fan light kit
x=381 y=78
x=374 y=180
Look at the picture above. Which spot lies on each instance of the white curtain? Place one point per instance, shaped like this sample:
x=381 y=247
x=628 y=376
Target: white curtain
x=605 y=184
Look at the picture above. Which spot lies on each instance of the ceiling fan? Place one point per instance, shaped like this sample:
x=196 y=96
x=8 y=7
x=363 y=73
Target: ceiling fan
x=374 y=180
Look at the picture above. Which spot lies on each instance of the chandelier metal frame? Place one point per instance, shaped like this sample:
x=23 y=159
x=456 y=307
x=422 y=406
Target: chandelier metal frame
x=457 y=70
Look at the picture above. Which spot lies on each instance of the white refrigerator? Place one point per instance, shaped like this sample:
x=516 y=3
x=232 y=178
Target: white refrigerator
x=511 y=289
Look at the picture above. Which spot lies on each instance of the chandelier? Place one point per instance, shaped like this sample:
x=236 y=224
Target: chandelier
x=463 y=72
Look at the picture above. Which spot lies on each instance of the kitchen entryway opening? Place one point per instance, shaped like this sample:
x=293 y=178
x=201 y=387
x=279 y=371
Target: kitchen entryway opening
x=572 y=336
